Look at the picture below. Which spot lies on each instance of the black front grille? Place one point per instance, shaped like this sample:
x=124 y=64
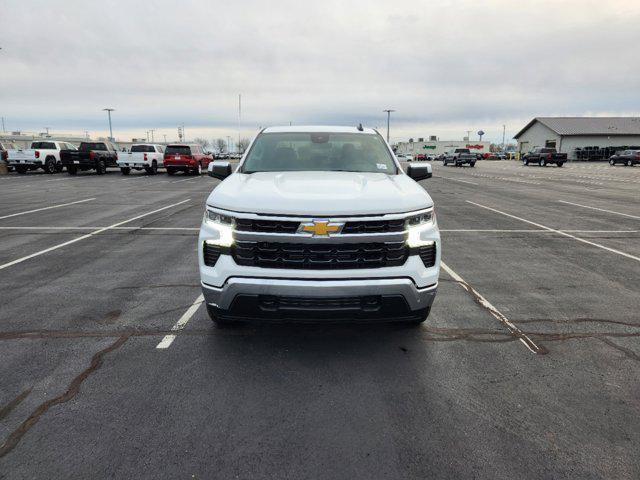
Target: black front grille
x=266 y=226
x=211 y=254
x=319 y=256
x=369 y=226
x=428 y=255
x=355 y=227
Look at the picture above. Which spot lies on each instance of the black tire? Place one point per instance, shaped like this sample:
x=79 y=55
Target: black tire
x=472 y=164
x=542 y=162
x=50 y=165
x=59 y=167
x=219 y=320
x=101 y=167
x=526 y=162
x=629 y=163
x=153 y=169
x=72 y=170
x=125 y=170
x=21 y=169
x=420 y=320
x=612 y=162
x=170 y=171
x=559 y=164
x=198 y=170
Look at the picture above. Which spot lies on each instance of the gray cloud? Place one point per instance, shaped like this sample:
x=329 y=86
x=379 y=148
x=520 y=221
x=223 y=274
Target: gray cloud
x=445 y=66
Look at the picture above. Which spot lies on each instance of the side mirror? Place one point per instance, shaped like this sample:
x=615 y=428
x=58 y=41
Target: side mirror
x=219 y=170
x=419 y=172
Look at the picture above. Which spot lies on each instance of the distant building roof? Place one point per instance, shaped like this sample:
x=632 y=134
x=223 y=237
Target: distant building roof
x=588 y=125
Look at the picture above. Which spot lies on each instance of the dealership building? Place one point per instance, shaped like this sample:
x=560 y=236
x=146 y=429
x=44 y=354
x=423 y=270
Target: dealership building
x=437 y=147
x=581 y=138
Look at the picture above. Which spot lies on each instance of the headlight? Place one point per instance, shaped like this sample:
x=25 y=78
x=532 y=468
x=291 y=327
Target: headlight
x=223 y=224
x=418 y=224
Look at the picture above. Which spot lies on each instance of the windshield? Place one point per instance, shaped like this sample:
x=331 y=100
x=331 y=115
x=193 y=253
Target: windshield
x=319 y=152
x=86 y=147
x=178 y=149
x=142 y=148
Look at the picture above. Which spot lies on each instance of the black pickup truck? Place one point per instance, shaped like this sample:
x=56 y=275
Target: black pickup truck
x=90 y=156
x=544 y=156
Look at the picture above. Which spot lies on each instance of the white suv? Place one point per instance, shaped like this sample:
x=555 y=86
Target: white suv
x=319 y=224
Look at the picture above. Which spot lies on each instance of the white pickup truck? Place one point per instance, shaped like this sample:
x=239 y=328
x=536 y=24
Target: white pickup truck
x=42 y=154
x=142 y=155
x=319 y=224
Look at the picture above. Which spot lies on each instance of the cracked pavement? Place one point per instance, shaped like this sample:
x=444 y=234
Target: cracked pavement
x=84 y=393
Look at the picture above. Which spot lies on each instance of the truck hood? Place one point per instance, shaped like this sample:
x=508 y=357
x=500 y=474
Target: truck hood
x=319 y=193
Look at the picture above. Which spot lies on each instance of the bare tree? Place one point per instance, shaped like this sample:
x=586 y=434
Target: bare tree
x=203 y=142
x=243 y=144
x=221 y=145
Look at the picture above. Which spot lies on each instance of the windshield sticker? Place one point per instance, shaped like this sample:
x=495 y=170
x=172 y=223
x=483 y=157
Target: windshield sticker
x=381 y=166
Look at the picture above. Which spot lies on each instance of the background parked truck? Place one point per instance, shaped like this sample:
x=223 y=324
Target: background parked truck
x=41 y=154
x=142 y=156
x=90 y=156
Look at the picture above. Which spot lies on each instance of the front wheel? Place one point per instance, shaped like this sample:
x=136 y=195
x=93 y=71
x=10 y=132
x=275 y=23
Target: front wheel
x=542 y=163
x=559 y=164
x=612 y=162
x=50 y=165
x=153 y=169
x=472 y=164
x=419 y=320
x=198 y=170
x=526 y=163
x=629 y=163
x=220 y=320
x=101 y=167
x=125 y=170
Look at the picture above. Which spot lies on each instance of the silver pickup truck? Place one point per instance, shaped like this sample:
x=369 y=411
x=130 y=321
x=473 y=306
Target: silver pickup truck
x=319 y=224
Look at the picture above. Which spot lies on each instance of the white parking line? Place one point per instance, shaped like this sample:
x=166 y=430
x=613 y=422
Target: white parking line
x=559 y=232
x=47 y=208
x=600 y=209
x=515 y=331
x=456 y=180
x=181 y=323
x=89 y=235
x=185 y=180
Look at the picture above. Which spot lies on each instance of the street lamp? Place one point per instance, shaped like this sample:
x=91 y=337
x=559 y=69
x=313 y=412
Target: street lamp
x=152 y=130
x=388 y=121
x=109 y=110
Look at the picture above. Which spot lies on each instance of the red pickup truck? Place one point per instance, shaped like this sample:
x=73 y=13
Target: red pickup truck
x=188 y=158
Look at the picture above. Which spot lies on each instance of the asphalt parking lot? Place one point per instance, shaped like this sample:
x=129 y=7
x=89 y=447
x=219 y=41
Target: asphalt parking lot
x=529 y=366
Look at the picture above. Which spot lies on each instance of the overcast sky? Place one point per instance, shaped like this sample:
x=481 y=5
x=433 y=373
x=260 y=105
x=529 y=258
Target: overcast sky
x=445 y=66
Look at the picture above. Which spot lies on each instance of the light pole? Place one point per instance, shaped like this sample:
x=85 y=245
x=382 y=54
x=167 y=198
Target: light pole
x=228 y=144
x=165 y=138
x=388 y=121
x=109 y=110
x=152 y=130
x=47 y=129
x=504 y=128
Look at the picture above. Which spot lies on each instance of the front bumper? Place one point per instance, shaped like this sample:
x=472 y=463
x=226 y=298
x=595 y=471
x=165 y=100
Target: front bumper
x=320 y=299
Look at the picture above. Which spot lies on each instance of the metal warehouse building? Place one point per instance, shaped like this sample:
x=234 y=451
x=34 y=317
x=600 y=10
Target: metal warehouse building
x=581 y=138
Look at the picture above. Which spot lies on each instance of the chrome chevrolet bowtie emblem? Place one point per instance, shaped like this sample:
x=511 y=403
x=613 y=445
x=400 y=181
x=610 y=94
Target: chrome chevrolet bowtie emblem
x=321 y=228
